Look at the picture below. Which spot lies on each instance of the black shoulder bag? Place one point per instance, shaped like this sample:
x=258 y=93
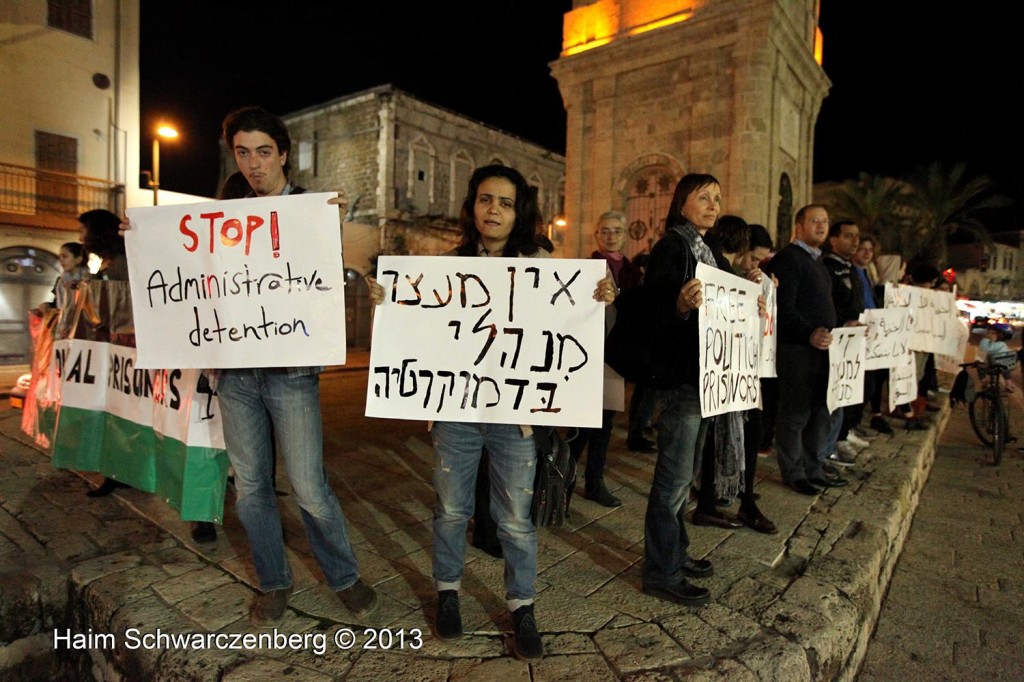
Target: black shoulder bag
x=555 y=479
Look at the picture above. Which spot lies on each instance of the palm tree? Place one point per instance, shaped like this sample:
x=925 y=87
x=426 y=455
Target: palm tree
x=948 y=201
x=879 y=206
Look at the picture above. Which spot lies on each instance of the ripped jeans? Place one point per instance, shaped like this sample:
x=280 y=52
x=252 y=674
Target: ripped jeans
x=513 y=466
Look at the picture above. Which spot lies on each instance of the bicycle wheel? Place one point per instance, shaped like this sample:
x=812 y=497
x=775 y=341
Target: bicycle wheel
x=999 y=427
x=980 y=411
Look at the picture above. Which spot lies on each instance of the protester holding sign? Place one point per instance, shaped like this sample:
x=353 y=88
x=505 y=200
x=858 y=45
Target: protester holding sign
x=611 y=238
x=843 y=443
x=732 y=237
x=99 y=230
x=498 y=219
x=258 y=403
x=806 y=316
x=675 y=295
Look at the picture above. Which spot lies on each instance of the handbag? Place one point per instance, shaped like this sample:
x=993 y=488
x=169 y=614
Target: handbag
x=555 y=479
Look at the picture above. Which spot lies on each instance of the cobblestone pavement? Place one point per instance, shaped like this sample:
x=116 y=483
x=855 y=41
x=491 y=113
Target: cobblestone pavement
x=799 y=605
x=955 y=607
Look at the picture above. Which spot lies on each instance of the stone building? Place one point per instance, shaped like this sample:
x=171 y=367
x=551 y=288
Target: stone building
x=654 y=90
x=405 y=165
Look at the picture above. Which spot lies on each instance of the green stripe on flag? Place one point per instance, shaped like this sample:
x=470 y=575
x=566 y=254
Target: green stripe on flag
x=189 y=478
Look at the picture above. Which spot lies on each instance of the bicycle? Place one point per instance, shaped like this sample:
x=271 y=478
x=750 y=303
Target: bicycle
x=989 y=417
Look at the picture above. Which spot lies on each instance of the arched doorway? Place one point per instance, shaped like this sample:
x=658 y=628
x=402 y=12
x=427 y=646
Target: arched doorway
x=649 y=196
x=27 y=276
x=784 y=215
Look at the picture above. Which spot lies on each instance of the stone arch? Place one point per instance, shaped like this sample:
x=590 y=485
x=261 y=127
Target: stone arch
x=645 y=189
x=784 y=213
x=497 y=159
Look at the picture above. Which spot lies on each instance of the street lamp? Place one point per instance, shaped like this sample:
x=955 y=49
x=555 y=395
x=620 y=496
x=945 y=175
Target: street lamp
x=165 y=131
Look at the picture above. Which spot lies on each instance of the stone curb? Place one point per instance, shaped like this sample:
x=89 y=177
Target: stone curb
x=800 y=605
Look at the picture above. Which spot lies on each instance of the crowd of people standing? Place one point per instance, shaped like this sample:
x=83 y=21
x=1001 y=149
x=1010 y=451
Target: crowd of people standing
x=824 y=279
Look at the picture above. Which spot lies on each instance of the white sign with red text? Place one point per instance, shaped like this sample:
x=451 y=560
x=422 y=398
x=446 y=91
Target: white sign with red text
x=255 y=282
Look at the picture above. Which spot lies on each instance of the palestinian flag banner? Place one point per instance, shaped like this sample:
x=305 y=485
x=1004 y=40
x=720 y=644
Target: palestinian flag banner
x=156 y=430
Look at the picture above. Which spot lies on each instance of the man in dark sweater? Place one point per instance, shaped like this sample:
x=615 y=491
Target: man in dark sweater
x=805 y=317
x=848 y=297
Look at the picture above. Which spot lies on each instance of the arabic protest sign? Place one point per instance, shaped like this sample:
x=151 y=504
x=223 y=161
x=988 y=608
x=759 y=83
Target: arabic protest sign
x=950 y=364
x=253 y=282
x=932 y=316
x=494 y=340
x=888 y=337
x=903 y=381
x=846 y=368
x=769 y=340
x=730 y=342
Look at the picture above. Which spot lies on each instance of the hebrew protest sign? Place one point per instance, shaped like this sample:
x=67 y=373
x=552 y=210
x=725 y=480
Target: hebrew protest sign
x=846 y=368
x=888 y=337
x=495 y=340
x=932 y=316
x=730 y=343
x=903 y=381
x=769 y=341
x=244 y=283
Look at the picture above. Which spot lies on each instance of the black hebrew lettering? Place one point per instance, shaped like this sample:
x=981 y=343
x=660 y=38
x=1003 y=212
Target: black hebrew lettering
x=564 y=288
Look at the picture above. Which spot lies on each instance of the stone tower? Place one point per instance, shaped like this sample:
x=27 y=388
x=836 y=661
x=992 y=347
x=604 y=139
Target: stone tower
x=654 y=89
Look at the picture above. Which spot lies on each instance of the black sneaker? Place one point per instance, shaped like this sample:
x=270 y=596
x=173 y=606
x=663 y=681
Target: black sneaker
x=449 y=619
x=359 y=598
x=528 y=644
x=267 y=608
x=684 y=593
x=641 y=445
x=878 y=423
x=204 y=531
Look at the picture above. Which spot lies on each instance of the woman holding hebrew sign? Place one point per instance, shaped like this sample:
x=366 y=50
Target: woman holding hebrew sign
x=675 y=296
x=499 y=218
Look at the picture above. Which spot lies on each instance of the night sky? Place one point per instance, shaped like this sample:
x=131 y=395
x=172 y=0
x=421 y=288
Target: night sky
x=907 y=88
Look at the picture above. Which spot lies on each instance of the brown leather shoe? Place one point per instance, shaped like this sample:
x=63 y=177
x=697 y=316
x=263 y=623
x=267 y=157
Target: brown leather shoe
x=715 y=518
x=359 y=598
x=758 y=522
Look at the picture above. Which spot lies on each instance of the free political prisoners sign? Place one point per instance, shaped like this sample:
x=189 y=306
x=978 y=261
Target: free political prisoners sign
x=492 y=340
x=253 y=282
x=730 y=343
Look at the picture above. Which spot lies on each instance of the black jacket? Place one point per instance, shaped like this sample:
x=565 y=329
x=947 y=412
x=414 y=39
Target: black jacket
x=676 y=350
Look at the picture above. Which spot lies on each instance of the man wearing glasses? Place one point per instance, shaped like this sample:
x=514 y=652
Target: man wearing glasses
x=806 y=316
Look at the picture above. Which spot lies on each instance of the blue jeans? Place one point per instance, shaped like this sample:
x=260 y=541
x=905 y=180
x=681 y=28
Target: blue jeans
x=252 y=400
x=680 y=428
x=513 y=467
x=835 y=426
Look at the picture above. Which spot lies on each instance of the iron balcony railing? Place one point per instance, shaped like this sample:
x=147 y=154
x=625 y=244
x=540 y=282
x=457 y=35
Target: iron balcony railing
x=31 y=191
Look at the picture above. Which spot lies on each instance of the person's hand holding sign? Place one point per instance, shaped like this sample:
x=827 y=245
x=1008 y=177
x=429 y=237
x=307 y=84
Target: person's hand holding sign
x=690 y=296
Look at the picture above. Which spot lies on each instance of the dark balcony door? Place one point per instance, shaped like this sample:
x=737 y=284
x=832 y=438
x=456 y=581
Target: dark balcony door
x=56 y=194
